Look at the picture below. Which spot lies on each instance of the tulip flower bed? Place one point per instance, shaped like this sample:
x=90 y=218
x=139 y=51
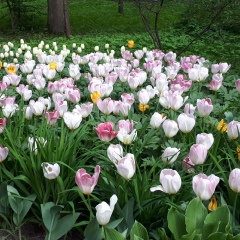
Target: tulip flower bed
x=124 y=144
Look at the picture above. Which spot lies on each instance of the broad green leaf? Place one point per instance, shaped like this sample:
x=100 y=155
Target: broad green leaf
x=113 y=234
x=210 y=228
x=192 y=236
x=217 y=236
x=46 y=215
x=138 y=238
x=115 y=223
x=16 y=204
x=64 y=225
x=195 y=215
x=220 y=214
x=139 y=230
x=27 y=203
x=176 y=223
x=93 y=231
x=128 y=213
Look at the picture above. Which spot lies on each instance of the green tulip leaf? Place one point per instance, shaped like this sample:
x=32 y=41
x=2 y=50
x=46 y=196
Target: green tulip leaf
x=176 y=223
x=113 y=234
x=93 y=231
x=64 y=225
x=209 y=229
x=138 y=230
x=195 y=215
x=115 y=223
x=222 y=215
x=217 y=236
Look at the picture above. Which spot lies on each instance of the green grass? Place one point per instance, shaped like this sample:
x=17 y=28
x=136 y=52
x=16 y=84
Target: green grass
x=96 y=22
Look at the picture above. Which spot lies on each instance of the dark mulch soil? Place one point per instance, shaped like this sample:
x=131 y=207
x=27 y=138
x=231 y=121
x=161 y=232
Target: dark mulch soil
x=32 y=231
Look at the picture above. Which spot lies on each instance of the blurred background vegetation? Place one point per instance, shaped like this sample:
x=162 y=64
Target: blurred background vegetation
x=96 y=22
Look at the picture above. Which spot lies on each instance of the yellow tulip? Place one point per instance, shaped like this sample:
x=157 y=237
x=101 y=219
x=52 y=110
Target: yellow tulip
x=11 y=69
x=52 y=65
x=95 y=96
x=142 y=107
x=222 y=126
x=0 y=65
x=130 y=43
x=213 y=204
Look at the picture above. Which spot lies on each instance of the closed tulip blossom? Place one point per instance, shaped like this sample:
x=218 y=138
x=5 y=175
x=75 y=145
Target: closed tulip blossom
x=156 y=120
x=105 y=106
x=3 y=153
x=105 y=131
x=215 y=85
x=206 y=139
x=85 y=182
x=126 y=125
x=198 y=153
x=170 y=182
x=237 y=84
x=234 y=180
x=189 y=109
x=72 y=120
x=170 y=155
x=233 y=129
x=50 y=171
x=170 y=128
x=186 y=122
x=52 y=117
x=104 y=211
x=204 y=107
x=126 y=166
x=115 y=153
x=204 y=186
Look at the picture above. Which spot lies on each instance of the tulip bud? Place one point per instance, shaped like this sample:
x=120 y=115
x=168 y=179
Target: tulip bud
x=170 y=155
x=233 y=129
x=156 y=120
x=170 y=128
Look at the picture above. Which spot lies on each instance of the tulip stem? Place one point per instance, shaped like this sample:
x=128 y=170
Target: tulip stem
x=234 y=211
x=90 y=208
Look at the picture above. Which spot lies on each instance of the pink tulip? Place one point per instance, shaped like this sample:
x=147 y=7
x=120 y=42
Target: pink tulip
x=188 y=165
x=126 y=166
x=85 y=182
x=126 y=125
x=233 y=129
x=170 y=128
x=143 y=96
x=128 y=98
x=234 y=180
x=224 y=67
x=204 y=107
x=3 y=122
x=189 y=109
x=105 y=106
x=170 y=180
x=170 y=155
x=198 y=153
x=3 y=153
x=105 y=131
x=215 y=85
x=52 y=117
x=186 y=122
x=238 y=85
x=204 y=186
x=206 y=139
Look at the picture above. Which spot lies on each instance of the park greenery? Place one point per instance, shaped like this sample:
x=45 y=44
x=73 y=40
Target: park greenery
x=103 y=134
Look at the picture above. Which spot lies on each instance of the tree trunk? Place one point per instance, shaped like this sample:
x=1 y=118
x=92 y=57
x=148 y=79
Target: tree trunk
x=120 y=6
x=56 y=19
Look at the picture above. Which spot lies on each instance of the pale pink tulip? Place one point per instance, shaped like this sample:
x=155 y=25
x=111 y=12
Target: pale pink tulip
x=156 y=120
x=170 y=128
x=234 y=180
x=204 y=186
x=170 y=180
x=204 y=106
x=238 y=85
x=3 y=153
x=186 y=122
x=198 y=153
x=51 y=171
x=170 y=155
x=126 y=166
x=233 y=129
x=85 y=182
x=206 y=139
